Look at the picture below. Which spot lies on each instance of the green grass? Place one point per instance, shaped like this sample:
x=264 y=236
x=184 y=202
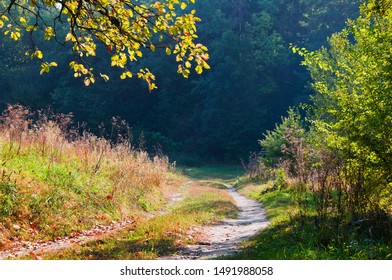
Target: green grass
x=162 y=235
x=291 y=237
x=51 y=187
x=53 y=195
x=216 y=174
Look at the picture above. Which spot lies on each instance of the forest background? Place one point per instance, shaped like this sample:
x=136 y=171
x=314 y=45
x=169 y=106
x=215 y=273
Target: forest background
x=216 y=117
x=315 y=141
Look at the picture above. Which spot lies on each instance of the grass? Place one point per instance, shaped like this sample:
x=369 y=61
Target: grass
x=295 y=235
x=219 y=175
x=54 y=182
x=161 y=235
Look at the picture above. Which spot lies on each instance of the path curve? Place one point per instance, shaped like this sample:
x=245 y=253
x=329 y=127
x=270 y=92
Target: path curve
x=36 y=248
x=224 y=238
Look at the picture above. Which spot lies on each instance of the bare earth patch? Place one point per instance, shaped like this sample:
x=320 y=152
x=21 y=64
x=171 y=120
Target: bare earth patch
x=224 y=238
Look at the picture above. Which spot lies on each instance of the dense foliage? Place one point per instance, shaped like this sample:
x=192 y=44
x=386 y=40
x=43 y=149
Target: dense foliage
x=218 y=115
x=125 y=28
x=353 y=108
x=340 y=160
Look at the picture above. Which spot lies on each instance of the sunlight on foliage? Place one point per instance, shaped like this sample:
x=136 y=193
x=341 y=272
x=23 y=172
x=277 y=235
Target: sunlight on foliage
x=126 y=28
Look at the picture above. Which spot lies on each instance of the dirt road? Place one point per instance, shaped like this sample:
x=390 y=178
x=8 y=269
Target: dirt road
x=224 y=238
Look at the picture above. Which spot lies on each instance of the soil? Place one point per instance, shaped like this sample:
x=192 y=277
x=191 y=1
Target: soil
x=225 y=238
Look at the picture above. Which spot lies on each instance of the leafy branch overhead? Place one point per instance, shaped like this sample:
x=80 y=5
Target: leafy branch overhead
x=126 y=28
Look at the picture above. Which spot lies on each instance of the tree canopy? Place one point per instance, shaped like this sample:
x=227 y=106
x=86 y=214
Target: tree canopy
x=126 y=28
x=346 y=148
x=352 y=82
x=218 y=115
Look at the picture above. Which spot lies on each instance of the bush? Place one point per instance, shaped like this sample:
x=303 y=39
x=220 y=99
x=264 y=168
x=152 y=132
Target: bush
x=280 y=181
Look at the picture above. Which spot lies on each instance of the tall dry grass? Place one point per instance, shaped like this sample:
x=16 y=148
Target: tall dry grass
x=55 y=178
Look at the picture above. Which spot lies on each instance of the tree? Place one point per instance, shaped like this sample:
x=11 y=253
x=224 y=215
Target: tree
x=276 y=143
x=221 y=113
x=126 y=28
x=353 y=101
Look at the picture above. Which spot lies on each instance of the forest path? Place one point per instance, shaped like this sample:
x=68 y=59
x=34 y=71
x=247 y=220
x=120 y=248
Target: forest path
x=224 y=238
x=213 y=241
x=36 y=248
x=99 y=232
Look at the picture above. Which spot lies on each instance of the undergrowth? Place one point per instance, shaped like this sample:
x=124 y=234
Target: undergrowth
x=296 y=232
x=56 y=179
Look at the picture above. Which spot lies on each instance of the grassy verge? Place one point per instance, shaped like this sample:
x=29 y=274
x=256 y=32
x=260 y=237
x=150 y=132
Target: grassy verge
x=162 y=235
x=294 y=234
x=54 y=181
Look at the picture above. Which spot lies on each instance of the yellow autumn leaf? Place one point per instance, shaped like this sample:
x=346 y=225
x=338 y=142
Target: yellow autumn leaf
x=168 y=51
x=15 y=35
x=38 y=54
x=104 y=77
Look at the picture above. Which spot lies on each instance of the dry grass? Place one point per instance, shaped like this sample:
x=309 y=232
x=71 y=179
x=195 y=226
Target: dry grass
x=55 y=180
x=163 y=234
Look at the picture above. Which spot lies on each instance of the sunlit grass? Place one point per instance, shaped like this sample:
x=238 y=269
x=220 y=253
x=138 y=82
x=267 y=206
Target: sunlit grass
x=161 y=235
x=289 y=237
x=53 y=182
x=217 y=174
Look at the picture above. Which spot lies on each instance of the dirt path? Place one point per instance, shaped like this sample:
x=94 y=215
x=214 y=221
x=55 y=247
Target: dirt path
x=214 y=241
x=224 y=238
x=36 y=248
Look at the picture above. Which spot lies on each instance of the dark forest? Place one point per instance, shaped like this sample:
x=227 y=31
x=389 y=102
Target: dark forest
x=217 y=116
